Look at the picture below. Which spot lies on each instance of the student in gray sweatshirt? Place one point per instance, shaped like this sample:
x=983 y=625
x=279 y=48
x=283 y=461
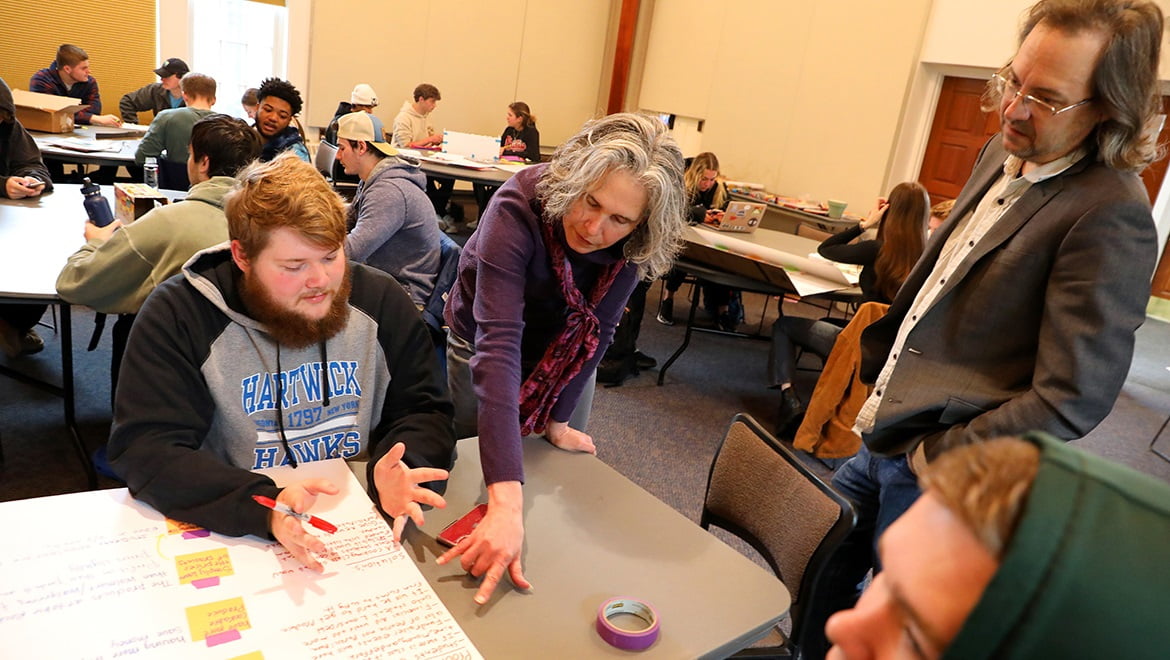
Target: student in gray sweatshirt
x=392 y=224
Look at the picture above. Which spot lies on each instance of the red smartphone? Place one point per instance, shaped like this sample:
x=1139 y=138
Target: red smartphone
x=456 y=531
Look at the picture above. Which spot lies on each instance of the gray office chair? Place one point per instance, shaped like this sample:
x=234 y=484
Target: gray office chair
x=323 y=160
x=760 y=491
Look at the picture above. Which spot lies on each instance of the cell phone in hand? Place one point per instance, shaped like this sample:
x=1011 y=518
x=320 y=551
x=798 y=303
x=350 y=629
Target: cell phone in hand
x=36 y=183
x=455 y=532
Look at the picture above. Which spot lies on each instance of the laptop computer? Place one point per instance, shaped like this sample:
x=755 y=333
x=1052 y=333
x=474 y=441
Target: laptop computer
x=740 y=217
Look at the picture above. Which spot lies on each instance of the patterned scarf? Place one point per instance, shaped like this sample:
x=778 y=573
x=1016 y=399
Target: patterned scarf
x=576 y=343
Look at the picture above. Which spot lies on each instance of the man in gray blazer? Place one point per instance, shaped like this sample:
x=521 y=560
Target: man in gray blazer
x=1020 y=315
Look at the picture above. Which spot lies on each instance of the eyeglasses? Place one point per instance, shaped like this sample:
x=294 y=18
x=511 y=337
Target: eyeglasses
x=1012 y=89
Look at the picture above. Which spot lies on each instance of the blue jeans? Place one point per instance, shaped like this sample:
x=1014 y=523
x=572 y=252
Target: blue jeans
x=881 y=489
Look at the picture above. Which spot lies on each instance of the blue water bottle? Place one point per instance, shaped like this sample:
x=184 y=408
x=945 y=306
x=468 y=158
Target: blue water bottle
x=96 y=206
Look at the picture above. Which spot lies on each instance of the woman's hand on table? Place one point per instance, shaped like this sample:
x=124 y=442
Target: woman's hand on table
x=399 y=492
x=495 y=544
x=290 y=532
x=563 y=436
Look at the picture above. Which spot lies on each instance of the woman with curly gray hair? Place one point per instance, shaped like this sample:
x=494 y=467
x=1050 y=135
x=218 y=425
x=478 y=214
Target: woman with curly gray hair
x=542 y=284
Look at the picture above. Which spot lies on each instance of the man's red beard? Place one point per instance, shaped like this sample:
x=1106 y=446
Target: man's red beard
x=289 y=328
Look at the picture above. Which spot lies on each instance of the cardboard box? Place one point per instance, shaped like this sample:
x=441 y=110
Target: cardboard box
x=133 y=200
x=45 y=112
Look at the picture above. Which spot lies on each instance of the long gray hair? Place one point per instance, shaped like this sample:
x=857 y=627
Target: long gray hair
x=632 y=143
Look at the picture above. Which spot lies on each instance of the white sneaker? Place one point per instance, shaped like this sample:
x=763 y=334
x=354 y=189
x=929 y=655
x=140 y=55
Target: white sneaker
x=448 y=225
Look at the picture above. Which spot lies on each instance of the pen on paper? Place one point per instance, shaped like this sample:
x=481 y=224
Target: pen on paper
x=303 y=517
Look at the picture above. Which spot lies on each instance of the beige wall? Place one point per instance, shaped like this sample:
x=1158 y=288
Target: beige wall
x=120 y=45
x=805 y=98
x=481 y=55
x=818 y=99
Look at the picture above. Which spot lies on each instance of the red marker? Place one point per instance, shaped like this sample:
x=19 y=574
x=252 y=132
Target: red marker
x=303 y=517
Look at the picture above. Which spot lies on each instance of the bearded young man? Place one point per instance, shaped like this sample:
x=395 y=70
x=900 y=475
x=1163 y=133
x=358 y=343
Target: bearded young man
x=272 y=349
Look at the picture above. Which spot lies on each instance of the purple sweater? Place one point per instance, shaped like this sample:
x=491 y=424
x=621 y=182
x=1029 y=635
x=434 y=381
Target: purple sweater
x=508 y=303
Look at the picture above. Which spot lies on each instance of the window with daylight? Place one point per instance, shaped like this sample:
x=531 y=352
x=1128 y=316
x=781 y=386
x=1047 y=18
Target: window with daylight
x=242 y=42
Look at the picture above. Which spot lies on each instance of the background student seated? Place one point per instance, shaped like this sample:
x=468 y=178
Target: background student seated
x=69 y=75
x=708 y=198
x=22 y=174
x=168 y=135
x=156 y=97
x=119 y=266
x=886 y=260
x=412 y=130
x=279 y=103
x=391 y=222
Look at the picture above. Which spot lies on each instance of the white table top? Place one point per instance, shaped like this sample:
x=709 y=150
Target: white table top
x=37 y=235
x=771 y=256
x=591 y=534
x=91 y=145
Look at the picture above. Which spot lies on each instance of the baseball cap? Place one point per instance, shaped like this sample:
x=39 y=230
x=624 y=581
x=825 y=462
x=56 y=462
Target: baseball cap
x=172 y=67
x=364 y=127
x=363 y=94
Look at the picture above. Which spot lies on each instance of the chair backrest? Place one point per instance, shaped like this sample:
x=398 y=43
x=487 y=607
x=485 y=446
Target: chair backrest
x=760 y=491
x=173 y=176
x=449 y=252
x=808 y=231
x=323 y=161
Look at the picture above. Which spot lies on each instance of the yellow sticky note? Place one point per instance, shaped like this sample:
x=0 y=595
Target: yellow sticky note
x=204 y=568
x=188 y=530
x=218 y=622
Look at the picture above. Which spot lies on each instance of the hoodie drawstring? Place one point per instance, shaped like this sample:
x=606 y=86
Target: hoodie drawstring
x=324 y=375
x=280 y=410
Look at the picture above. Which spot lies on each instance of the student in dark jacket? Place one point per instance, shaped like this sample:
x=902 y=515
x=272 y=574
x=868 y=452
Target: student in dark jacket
x=22 y=174
x=520 y=139
x=885 y=262
x=156 y=97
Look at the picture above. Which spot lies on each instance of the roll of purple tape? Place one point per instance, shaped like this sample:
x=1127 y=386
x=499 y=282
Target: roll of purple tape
x=623 y=637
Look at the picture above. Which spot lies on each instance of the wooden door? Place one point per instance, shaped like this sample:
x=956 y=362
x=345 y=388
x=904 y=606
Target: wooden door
x=959 y=131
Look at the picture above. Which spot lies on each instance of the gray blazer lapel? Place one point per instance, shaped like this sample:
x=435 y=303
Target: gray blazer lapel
x=1024 y=209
